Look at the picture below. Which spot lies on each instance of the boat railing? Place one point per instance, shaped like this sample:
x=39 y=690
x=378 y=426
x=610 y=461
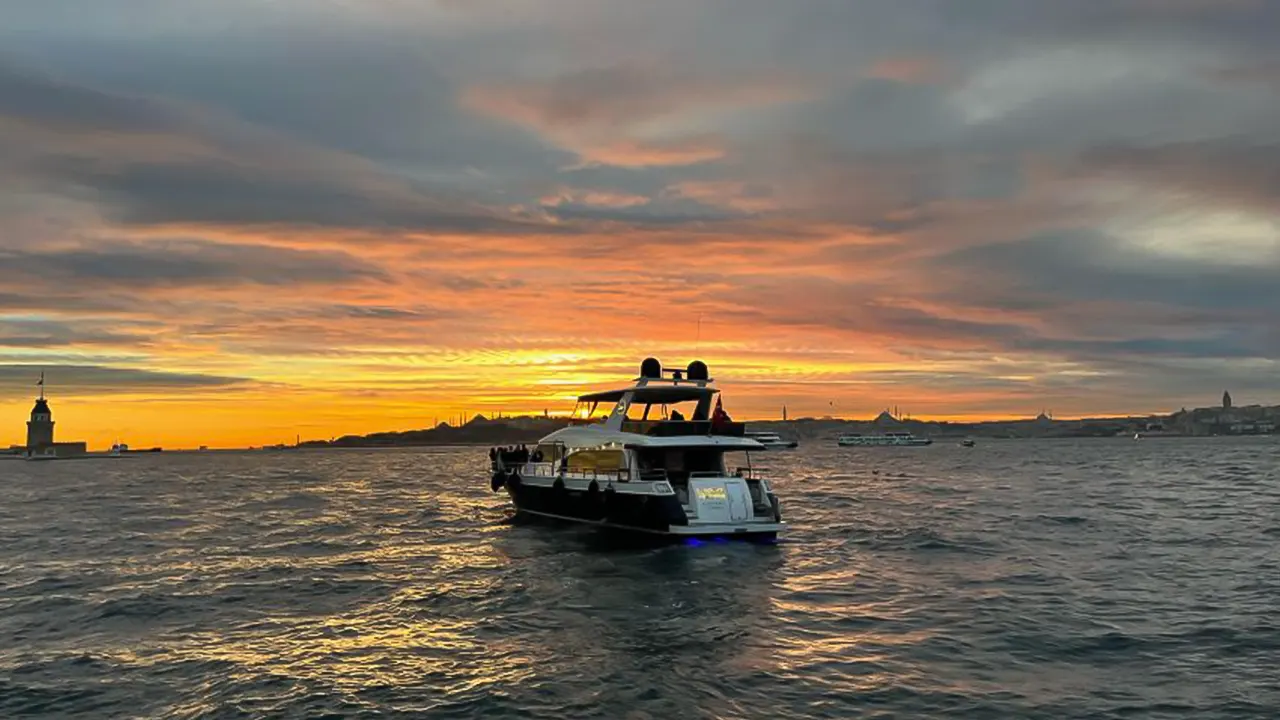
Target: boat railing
x=552 y=470
x=540 y=469
x=609 y=475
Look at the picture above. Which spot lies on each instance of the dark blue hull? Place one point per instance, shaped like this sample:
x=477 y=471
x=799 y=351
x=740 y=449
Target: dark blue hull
x=619 y=509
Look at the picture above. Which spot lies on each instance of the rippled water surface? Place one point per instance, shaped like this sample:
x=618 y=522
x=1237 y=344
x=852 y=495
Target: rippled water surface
x=1053 y=579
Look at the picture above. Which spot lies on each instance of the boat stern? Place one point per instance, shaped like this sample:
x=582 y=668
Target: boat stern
x=731 y=505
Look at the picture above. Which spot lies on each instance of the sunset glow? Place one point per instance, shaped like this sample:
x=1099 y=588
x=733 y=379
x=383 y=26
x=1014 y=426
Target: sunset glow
x=228 y=225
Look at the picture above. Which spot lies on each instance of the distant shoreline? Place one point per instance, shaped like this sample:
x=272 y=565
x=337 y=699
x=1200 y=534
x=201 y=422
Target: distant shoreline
x=1252 y=420
x=831 y=442
x=528 y=430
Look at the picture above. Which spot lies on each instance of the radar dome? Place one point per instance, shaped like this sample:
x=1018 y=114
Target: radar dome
x=697 y=371
x=651 y=368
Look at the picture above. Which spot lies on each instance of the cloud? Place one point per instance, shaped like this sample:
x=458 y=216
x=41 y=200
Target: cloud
x=920 y=69
x=188 y=263
x=650 y=153
x=1087 y=264
x=623 y=95
x=662 y=211
x=25 y=332
x=973 y=207
x=1236 y=172
x=18 y=381
x=635 y=115
x=165 y=162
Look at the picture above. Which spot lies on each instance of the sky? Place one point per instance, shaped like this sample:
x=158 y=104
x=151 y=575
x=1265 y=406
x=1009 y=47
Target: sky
x=226 y=222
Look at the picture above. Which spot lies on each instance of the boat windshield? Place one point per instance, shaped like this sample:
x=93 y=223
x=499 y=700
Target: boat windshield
x=646 y=417
x=687 y=410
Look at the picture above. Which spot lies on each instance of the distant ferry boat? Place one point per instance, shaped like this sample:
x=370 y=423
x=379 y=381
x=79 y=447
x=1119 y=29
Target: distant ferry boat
x=772 y=441
x=889 y=438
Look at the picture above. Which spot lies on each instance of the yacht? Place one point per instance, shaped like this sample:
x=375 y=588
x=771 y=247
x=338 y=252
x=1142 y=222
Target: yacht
x=646 y=467
x=772 y=441
x=888 y=438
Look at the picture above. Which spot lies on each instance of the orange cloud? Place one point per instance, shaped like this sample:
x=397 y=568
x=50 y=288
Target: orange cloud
x=625 y=95
x=922 y=70
x=618 y=115
x=641 y=153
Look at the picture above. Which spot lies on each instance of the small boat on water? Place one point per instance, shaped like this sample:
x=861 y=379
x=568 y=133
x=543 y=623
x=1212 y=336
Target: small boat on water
x=772 y=441
x=967 y=443
x=901 y=439
x=647 y=467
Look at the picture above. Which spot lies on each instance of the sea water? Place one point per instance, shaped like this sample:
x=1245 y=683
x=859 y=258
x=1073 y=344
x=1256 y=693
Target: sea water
x=1016 y=579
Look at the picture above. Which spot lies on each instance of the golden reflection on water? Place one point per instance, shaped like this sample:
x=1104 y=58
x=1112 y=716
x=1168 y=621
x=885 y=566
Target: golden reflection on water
x=398 y=640
x=353 y=653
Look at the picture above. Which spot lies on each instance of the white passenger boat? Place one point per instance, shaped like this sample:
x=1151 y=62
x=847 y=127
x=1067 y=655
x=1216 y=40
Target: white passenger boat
x=888 y=438
x=647 y=467
x=772 y=441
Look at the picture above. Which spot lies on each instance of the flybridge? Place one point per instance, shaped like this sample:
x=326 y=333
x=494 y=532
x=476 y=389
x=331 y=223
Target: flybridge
x=660 y=391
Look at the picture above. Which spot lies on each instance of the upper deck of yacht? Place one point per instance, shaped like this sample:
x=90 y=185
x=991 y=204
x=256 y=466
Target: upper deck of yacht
x=646 y=407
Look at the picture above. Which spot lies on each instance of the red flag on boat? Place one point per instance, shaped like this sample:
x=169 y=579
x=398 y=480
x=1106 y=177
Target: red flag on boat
x=719 y=417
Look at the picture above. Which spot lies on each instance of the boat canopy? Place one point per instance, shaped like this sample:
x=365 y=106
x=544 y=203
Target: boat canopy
x=707 y=442
x=651 y=394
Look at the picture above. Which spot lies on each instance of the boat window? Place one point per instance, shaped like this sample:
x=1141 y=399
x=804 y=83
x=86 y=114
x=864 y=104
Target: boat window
x=679 y=462
x=597 y=460
x=736 y=461
x=551 y=452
